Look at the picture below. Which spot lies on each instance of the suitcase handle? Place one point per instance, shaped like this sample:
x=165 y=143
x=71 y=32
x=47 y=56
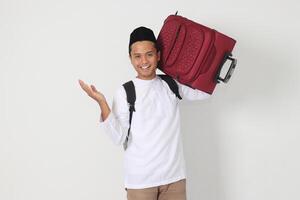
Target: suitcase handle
x=230 y=70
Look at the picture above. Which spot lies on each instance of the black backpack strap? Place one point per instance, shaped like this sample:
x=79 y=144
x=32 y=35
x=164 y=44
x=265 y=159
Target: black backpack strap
x=131 y=97
x=172 y=84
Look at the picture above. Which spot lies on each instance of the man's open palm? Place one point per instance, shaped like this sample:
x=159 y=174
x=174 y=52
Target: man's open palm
x=92 y=91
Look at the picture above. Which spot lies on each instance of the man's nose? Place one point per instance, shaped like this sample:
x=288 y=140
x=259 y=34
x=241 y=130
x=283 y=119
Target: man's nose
x=144 y=59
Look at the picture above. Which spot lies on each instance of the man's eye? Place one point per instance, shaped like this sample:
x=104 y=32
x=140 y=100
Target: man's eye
x=150 y=54
x=137 y=56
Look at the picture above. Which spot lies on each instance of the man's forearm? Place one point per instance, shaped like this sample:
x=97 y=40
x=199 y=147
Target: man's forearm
x=105 y=110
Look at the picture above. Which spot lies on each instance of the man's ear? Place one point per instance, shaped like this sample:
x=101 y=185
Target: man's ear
x=129 y=56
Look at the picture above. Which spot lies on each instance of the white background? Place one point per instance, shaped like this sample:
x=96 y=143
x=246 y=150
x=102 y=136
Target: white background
x=242 y=144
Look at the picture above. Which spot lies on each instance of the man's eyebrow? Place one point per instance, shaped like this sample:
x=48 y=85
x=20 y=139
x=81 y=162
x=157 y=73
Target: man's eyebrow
x=137 y=53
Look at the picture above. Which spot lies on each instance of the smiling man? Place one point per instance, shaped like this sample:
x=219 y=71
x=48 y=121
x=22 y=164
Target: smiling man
x=144 y=58
x=154 y=165
x=144 y=53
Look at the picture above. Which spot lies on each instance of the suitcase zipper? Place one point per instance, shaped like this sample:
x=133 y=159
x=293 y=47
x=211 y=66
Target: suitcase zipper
x=205 y=59
x=174 y=41
x=177 y=35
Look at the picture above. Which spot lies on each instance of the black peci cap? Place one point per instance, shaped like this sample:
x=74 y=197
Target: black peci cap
x=141 y=34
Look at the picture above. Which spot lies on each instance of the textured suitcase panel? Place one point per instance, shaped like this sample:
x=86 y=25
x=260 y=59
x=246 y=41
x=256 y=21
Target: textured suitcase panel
x=192 y=53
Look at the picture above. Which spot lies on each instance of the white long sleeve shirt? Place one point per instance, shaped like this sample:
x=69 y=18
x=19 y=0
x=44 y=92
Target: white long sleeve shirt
x=154 y=155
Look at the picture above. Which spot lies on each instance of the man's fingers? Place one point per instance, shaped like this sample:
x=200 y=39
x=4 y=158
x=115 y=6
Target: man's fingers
x=81 y=83
x=90 y=90
x=94 y=88
x=84 y=86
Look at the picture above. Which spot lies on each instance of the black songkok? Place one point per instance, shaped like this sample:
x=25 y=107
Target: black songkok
x=141 y=34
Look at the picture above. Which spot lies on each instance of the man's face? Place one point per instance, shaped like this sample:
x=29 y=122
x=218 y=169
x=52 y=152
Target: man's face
x=144 y=58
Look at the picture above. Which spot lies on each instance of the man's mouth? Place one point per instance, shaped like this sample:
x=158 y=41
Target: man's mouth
x=145 y=66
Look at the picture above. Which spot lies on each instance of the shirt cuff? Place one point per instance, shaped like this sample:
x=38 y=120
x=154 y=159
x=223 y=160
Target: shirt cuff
x=107 y=120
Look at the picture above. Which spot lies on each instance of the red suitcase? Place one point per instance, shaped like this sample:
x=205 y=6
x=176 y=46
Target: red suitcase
x=194 y=54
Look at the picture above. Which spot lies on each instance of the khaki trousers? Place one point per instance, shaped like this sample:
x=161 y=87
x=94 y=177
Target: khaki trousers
x=172 y=191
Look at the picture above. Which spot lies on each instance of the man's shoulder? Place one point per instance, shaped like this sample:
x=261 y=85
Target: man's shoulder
x=120 y=92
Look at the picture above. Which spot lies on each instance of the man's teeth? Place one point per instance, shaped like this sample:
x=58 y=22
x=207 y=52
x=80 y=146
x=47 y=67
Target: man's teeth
x=145 y=66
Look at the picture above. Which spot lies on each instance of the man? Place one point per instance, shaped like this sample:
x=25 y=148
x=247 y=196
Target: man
x=154 y=164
